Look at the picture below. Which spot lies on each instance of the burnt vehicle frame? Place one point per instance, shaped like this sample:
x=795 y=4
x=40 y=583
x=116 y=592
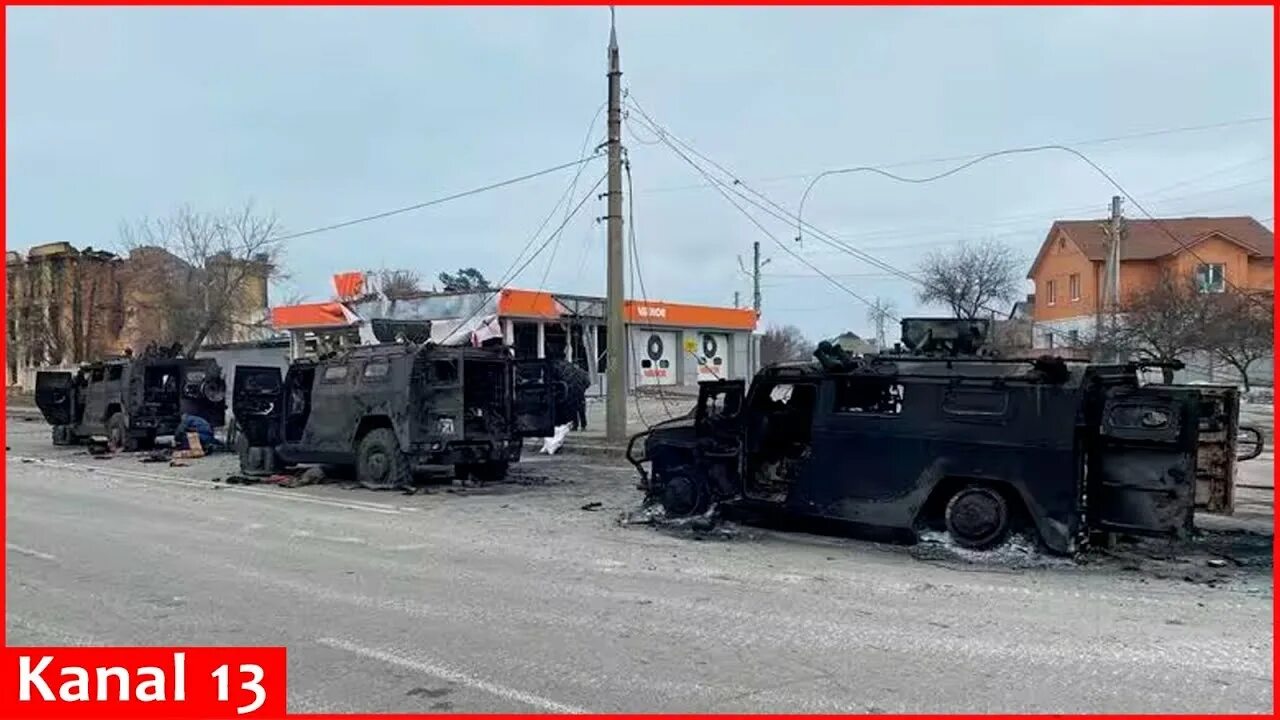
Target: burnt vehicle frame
x=387 y=410
x=976 y=446
x=130 y=401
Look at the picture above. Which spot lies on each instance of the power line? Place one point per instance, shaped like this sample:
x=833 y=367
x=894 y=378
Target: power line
x=509 y=274
x=437 y=201
x=953 y=158
x=1009 y=152
x=718 y=185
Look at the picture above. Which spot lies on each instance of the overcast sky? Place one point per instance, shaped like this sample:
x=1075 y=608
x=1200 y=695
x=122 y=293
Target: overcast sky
x=325 y=114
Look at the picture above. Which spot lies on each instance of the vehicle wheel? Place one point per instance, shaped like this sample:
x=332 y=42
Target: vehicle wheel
x=379 y=462
x=490 y=472
x=682 y=496
x=977 y=517
x=118 y=434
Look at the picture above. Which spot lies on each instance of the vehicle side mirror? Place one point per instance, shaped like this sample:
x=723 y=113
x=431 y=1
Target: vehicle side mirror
x=1249 y=442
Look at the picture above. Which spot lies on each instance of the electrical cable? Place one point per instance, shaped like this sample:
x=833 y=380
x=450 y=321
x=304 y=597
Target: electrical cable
x=800 y=224
x=512 y=275
x=954 y=158
x=718 y=185
x=1006 y=153
x=437 y=201
x=639 y=275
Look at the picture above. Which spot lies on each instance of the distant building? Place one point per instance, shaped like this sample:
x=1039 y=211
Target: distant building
x=1217 y=253
x=1068 y=270
x=65 y=306
x=855 y=345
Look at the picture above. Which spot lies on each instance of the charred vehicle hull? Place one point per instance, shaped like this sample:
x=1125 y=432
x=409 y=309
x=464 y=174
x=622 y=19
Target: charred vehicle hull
x=976 y=448
x=129 y=401
x=387 y=410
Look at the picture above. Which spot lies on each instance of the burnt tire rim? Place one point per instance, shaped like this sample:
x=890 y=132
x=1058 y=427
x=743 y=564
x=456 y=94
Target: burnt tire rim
x=681 y=496
x=977 y=517
x=378 y=464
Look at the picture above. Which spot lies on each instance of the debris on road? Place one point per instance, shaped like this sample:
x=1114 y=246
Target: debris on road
x=592 y=506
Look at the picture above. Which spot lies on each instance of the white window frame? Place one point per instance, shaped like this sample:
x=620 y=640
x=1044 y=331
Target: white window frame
x=1051 y=293
x=1073 y=285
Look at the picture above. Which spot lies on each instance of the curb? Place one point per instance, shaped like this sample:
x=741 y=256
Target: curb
x=612 y=452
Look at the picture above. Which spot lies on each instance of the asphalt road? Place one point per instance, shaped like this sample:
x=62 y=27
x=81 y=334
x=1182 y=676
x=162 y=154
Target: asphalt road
x=514 y=598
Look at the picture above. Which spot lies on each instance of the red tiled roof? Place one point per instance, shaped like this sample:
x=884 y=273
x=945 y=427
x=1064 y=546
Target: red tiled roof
x=1150 y=239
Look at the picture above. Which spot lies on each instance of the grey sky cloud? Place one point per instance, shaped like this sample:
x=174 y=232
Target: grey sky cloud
x=323 y=114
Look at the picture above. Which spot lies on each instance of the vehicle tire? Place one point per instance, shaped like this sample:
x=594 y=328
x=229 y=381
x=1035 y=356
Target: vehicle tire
x=977 y=517
x=379 y=462
x=683 y=496
x=118 y=439
x=490 y=472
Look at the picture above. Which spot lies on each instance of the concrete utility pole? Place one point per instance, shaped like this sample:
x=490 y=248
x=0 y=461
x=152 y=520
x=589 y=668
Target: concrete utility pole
x=1115 y=233
x=616 y=402
x=756 y=264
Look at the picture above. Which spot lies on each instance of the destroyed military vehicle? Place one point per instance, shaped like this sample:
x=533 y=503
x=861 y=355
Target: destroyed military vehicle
x=943 y=435
x=385 y=410
x=130 y=401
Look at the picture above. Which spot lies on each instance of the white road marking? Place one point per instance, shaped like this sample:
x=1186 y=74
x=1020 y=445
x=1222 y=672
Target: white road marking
x=206 y=485
x=451 y=675
x=29 y=552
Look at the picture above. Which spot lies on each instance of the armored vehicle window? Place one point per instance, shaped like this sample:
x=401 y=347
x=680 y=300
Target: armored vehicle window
x=1137 y=416
x=444 y=371
x=115 y=372
x=95 y=375
x=334 y=373
x=377 y=370
x=990 y=403
x=870 y=395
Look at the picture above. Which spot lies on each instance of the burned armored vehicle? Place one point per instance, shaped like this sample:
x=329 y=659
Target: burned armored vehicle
x=130 y=401
x=943 y=435
x=386 y=410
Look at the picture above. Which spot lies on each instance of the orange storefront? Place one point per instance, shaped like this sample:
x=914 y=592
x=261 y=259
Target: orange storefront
x=669 y=343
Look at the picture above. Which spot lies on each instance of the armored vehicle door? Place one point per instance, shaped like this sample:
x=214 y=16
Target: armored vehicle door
x=1142 y=469
x=55 y=396
x=257 y=401
x=533 y=399
x=1216 y=453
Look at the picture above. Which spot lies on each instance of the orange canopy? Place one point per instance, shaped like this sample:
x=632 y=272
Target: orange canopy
x=326 y=314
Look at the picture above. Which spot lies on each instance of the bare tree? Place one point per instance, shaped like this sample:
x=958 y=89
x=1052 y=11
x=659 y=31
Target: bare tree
x=463 y=280
x=970 y=278
x=204 y=275
x=1238 y=330
x=784 y=344
x=1164 y=323
x=396 y=284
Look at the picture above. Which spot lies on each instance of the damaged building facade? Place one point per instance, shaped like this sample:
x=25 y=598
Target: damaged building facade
x=670 y=344
x=65 y=306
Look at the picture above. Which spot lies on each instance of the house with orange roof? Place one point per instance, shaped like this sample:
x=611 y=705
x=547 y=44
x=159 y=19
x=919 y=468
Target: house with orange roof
x=1219 y=253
